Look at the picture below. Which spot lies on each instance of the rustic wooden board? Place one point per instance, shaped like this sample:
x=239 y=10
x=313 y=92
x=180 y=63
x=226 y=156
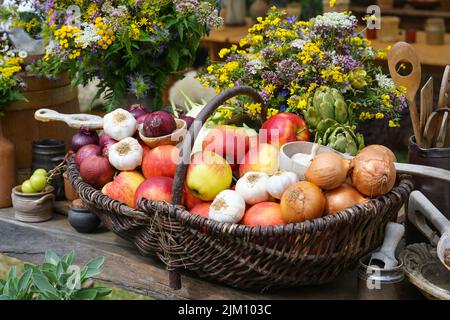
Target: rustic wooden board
x=126 y=268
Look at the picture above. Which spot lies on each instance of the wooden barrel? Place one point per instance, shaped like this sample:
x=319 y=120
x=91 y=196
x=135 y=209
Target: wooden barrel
x=19 y=125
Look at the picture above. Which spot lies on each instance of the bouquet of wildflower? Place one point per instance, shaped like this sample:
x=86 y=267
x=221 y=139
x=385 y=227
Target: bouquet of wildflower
x=11 y=62
x=131 y=46
x=321 y=68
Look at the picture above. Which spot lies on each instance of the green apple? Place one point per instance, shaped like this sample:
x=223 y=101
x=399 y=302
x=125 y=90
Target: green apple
x=38 y=182
x=207 y=175
x=40 y=171
x=27 y=187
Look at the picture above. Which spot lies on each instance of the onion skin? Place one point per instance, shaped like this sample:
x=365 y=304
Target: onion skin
x=159 y=123
x=189 y=120
x=86 y=151
x=373 y=174
x=83 y=137
x=328 y=170
x=137 y=110
x=96 y=171
x=382 y=149
x=302 y=201
x=342 y=198
x=105 y=142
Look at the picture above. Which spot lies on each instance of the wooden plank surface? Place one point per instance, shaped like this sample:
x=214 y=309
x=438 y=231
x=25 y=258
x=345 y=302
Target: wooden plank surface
x=127 y=269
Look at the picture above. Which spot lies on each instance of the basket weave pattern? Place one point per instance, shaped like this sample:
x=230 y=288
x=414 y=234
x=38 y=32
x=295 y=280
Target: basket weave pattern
x=255 y=258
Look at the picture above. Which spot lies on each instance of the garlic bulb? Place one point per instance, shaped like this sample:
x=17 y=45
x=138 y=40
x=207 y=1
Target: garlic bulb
x=228 y=206
x=119 y=124
x=279 y=182
x=252 y=186
x=126 y=154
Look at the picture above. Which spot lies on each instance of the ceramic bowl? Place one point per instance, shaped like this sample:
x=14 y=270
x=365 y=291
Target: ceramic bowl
x=291 y=148
x=33 y=207
x=174 y=138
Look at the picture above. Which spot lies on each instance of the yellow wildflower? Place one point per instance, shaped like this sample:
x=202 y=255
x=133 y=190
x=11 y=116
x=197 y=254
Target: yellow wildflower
x=302 y=103
x=332 y=3
x=270 y=88
x=253 y=108
x=379 y=115
x=392 y=124
x=223 y=52
x=271 y=112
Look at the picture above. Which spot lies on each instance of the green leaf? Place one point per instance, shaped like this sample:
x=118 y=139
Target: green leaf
x=96 y=263
x=24 y=282
x=92 y=272
x=11 y=274
x=85 y=294
x=44 y=286
x=173 y=58
x=102 y=291
x=69 y=258
x=51 y=257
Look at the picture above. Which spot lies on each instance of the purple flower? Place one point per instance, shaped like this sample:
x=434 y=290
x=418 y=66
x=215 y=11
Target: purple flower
x=271 y=77
x=264 y=95
x=346 y=62
x=288 y=69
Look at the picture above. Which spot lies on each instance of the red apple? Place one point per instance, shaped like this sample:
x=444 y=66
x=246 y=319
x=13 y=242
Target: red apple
x=161 y=161
x=189 y=199
x=155 y=188
x=145 y=147
x=201 y=209
x=230 y=142
x=123 y=187
x=263 y=214
x=261 y=158
x=285 y=127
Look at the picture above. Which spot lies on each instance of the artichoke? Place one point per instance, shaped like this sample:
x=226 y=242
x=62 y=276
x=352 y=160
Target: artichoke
x=328 y=104
x=341 y=138
x=331 y=119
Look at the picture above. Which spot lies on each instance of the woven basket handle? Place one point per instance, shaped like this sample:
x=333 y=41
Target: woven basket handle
x=194 y=130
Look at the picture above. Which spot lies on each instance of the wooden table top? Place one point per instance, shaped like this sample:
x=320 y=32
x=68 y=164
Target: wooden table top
x=126 y=268
x=432 y=55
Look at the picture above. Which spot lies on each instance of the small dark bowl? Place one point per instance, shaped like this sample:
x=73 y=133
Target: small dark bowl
x=82 y=220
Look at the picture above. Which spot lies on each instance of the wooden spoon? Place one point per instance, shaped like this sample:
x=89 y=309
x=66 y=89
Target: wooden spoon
x=426 y=103
x=403 y=52
x=431 y=131
x=444 y=93
x=73 y=120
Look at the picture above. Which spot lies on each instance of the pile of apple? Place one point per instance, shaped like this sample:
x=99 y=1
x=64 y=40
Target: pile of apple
x=125 y=169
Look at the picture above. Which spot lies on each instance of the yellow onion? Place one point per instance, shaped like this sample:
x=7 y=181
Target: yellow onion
x=373 y=173
x=342 y=198
x=381 y=149
x=328 y=170
x=302 y=201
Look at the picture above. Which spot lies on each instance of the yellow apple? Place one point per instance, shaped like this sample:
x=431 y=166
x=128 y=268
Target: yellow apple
x=207 y=175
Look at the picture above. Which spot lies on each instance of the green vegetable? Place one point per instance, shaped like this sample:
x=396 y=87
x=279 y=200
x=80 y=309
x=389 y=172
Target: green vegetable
x=56 y=279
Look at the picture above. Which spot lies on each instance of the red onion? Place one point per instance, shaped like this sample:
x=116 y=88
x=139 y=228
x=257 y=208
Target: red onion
x=137 y=110
x=83 y=137
x=96 y=171
x=105 y=142
x=85 y=152
x=141 y=118
x=159 y=123
x=189 y=120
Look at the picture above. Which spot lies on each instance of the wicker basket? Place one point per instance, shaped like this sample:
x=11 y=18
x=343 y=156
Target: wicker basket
x=256 y=258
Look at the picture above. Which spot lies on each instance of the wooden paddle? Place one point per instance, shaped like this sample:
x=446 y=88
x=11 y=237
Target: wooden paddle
x=444 y=93
x=403 y=52
x=426 y=103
